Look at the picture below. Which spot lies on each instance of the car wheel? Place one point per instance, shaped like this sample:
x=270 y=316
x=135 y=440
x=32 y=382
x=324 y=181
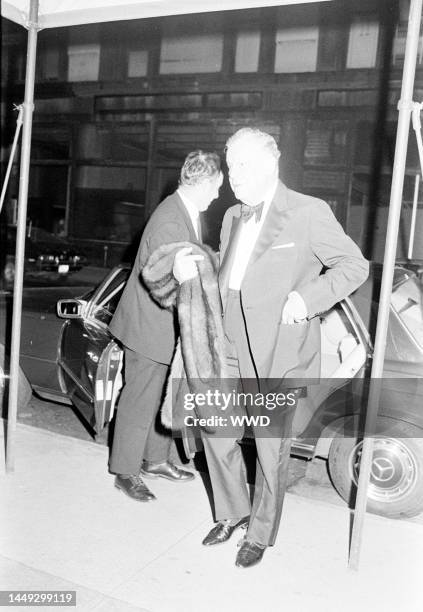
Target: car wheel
x=396 y=479
x=24 y=388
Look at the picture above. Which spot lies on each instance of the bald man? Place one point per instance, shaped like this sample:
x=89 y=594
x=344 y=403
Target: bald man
x=275 y=244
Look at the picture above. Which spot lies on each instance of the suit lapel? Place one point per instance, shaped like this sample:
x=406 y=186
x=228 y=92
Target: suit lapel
x=228 y=257
x=274 y=223
x=230 y=249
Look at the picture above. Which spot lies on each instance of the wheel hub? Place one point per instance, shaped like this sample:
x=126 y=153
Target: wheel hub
x=393 y=470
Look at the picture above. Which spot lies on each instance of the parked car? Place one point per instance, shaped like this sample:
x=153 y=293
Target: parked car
x=47 y=256
x=416 y=265
x=73 y=358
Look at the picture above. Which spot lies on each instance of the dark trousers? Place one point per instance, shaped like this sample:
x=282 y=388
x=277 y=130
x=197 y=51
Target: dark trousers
x=224 y=455
x=138 y=432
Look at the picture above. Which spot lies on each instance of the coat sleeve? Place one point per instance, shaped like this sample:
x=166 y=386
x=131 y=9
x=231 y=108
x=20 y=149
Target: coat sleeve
x=346 y=268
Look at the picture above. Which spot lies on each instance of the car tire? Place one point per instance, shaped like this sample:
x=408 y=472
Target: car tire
x=24 y=388
x=396 y=481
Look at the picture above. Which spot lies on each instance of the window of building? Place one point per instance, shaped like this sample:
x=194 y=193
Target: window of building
x=398 y=47
x=398 y=50
x=48 y=179
x=368 y=215
x=188 y=54
x=19 y=68
x=368 y=141
x=48 y=65
x=5 y=64
x=110 y=182
x=137 y=63
x=83 y=62
x=50 y=143
x=47 y=196
x=109 y=202
x=247 y=51
x=326 y=142
x=296 y=49
x=331 y=44
x=120 y=143
x=363 y=42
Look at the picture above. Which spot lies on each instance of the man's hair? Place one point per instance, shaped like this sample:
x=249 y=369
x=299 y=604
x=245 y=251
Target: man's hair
x=198 y=166
x=265 y=140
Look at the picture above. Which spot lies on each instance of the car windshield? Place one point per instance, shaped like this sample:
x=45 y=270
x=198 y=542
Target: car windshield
x=407 y=302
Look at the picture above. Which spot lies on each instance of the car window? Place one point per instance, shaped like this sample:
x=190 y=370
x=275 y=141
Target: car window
x=104 y=311
x=339 y=339
x=407 y=302
x=108 y=299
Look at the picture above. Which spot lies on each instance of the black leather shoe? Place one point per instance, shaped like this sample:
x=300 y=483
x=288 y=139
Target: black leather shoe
x=134 y=487
x=167 y=470
x=223 y=531
x=249 y=554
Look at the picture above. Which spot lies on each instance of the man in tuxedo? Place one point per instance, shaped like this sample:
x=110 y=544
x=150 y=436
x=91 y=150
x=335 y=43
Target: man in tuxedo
x=148 y=334
x=284 y=260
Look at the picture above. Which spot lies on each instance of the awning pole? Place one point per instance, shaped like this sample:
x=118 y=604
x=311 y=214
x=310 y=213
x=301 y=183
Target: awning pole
x=28 y=109
x=405 y=106
x=11 y=156
x=413 y=216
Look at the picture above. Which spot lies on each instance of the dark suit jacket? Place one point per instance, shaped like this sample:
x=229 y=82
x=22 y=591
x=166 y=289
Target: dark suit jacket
x=139 y=322
x=299 y=237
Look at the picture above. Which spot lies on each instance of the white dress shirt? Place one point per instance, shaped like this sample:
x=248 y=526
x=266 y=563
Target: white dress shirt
x=192 y=210
x=249 y=233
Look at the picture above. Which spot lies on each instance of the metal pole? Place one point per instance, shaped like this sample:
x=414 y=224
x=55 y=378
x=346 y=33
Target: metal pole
x=405 y=108
x=12 y=155
x=28 y=107
x=413 y=216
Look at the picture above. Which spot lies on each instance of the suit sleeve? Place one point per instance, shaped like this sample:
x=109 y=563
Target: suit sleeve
x=346 y=268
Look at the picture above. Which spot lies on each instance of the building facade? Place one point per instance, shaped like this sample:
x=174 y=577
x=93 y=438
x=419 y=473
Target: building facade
x=118 y=106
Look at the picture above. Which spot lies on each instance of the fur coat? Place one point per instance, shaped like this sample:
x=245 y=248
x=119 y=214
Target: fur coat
x=199 y=359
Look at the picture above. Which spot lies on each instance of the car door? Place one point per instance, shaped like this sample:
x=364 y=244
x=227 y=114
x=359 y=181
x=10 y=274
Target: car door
x=40 y=331
x=402 y=388
x=345 y=348
x=90 y=361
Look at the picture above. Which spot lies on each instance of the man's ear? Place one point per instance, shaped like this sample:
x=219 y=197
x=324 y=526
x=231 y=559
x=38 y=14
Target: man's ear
x=279 y=165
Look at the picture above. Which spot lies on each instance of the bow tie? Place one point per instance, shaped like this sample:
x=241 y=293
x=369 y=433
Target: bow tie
x=248 y=211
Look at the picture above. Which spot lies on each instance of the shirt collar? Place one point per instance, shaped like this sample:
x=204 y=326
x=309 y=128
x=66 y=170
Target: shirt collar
x=192 y=209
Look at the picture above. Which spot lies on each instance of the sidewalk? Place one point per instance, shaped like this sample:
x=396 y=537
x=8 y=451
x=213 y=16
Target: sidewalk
x=65 y=527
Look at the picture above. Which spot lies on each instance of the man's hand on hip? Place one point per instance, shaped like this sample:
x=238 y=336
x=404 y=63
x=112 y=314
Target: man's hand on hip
x=184 y=266
x=295 y=310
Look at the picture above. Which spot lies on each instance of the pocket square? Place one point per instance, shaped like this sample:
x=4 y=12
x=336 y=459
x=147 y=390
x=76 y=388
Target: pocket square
x=287 y=245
